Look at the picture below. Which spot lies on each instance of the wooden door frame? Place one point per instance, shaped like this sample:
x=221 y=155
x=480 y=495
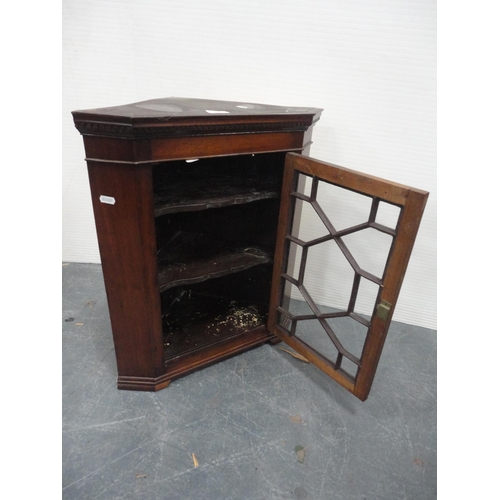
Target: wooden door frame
x=411 y=202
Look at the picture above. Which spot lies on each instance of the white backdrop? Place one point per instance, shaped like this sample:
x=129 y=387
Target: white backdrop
x=371 y=65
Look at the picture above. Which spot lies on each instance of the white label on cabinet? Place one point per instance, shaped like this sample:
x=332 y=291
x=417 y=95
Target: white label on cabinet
x=216 y=112
x=107 y=199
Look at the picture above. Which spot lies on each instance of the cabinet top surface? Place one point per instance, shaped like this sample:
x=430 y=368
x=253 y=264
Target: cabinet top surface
x=181 y=116
x=172 y=108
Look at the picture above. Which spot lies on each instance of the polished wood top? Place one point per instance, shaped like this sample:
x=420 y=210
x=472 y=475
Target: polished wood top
x=187 y=116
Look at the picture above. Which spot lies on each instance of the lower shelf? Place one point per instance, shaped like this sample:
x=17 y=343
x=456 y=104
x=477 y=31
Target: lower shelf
x=211 y=321
x=226 y=348
x=208 y=322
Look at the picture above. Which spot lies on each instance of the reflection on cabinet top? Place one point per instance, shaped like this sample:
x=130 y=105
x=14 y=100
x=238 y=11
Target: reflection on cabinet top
x=181 y=117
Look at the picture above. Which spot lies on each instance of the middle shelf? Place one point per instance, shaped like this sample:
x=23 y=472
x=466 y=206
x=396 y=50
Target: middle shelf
x=190 y=258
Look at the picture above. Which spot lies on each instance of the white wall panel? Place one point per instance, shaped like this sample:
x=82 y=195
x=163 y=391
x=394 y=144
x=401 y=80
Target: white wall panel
x=370 y=64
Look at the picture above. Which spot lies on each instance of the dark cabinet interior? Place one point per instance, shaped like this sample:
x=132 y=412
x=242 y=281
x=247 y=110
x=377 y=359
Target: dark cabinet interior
x=216 y=222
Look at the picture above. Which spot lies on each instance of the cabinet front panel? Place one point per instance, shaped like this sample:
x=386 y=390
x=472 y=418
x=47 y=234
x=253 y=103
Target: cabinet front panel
x=231 y=144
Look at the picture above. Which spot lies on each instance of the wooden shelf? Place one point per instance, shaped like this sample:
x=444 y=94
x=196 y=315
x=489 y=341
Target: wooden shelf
x=190 y=258
x=206 y=183
x=214 y=193
x=194 y=321
x=191 y=361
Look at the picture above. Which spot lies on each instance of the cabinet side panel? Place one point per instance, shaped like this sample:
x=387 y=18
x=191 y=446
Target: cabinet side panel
x=122 y=197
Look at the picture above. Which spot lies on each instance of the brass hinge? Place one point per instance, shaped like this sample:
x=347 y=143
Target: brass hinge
x=383 y=310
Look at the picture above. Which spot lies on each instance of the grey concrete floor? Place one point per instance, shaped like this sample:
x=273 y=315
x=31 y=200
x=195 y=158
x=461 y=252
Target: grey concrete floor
x=242 y=419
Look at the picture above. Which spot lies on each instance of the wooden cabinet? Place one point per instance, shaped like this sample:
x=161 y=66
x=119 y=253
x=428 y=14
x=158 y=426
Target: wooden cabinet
x=186 y=196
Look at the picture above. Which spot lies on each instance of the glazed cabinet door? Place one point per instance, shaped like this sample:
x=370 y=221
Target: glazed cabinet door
x=352 y=254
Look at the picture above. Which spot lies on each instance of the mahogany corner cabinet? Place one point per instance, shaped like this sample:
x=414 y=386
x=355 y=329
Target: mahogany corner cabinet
x=197 y=207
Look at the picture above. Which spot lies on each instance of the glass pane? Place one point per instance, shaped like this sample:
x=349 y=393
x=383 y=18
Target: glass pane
x=328 y=276
x=344 y=208
x=388 y=214
x=294 y=258
x=296 y=306
x=284 y=321
x=366 y=299
x=351 y=334
x=349 y=367
x=307 y=224
x=314 y=335
x=304 y=183
x=370 y=248
x=299 y=307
